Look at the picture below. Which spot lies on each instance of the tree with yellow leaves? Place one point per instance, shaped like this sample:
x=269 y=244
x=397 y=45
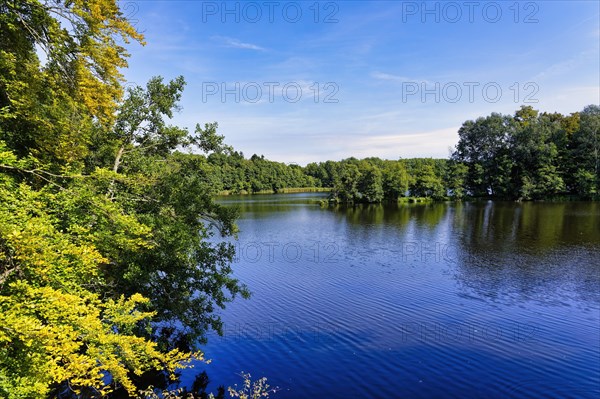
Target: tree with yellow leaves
x=103 y=224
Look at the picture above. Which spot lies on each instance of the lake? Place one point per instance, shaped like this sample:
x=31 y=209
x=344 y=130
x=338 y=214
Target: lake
x=453 y=300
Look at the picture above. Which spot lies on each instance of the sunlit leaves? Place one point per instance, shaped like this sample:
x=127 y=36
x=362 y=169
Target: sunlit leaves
x=49 y=337
x=55 y=327
x=59 y=72
x=532 y=155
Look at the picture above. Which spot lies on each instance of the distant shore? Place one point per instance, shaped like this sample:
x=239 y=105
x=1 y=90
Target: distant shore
x=279 y=191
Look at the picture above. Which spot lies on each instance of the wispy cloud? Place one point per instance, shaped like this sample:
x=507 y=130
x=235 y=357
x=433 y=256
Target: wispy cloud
x=235 y=43
x=387 y=76
x=406 y=144
x=571 y=98
x=369 y=56
x=567 y=66
x=395 y=78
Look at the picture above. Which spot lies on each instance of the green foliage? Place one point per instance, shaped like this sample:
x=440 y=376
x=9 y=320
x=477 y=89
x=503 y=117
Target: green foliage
x=370 y=185
x=456 y=179
x=395 y=180
x=586 y=142
x=346 y=182
x=372 y=180
x=47 y=109
x=586 y=183
x=428 y=184
x=140 y=125
x=106 y=230
x=171 y=194
x=531 y=155
x=527 y=156
x=235 y=174
x=482 y=147
x=56 y=327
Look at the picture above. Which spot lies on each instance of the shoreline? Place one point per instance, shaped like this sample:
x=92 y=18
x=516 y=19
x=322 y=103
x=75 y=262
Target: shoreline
x=290 y=190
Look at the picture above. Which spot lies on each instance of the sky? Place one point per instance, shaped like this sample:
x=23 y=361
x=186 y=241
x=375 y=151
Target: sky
x=307 y=81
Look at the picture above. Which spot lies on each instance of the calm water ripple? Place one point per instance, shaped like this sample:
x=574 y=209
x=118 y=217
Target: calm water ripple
x=478 y=300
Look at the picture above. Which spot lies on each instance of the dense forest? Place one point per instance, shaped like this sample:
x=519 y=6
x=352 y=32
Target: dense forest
x=107 y=270
x=525 y=156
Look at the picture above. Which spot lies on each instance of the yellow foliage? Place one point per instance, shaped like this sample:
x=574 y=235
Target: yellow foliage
x=54 y=326
x=48 y=337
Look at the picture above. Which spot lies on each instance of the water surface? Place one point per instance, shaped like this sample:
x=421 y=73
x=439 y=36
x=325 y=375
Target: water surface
x=454 y=300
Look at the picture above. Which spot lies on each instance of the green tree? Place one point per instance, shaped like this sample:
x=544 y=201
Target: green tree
x=456 y=179
x=586 y=152
x=59 y=328
x=395 y=180
x=562 y=137
x=345 y=185
x=370 y=186
x=105 y=228
x=47 y=109
x=172 y=194
x=427 y=183
x=483 y=147
x=536 y=171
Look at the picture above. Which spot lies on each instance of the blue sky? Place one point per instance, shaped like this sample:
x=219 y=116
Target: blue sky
x=303 y=81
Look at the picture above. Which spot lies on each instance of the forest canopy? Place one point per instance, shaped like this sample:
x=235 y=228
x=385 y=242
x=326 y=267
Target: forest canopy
x=525 y=156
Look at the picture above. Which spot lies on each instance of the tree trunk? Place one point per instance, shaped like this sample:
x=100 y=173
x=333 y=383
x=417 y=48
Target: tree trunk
x=118 y=159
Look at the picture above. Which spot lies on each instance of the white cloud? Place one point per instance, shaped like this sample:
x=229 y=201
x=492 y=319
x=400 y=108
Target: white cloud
x=235 y=43
x=387 y=76
x=396 y=78
x=406 y=145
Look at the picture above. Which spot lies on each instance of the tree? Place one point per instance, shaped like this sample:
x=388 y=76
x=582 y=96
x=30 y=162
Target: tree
x=47 y=109
x=586 y=152
x=80 y=40
x=57 y=331
x=483 y=147
x=370 y=186
x=345 y=185
x=456 y=179
x=562 y=137
x=140 y=124
x=103 y=223
x=535 y=168
x=427 y=183
x=171 y=194
x=395 y=180
x=318 y=172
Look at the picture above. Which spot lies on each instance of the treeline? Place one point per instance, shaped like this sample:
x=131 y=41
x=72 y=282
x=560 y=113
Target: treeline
x=532 y=155
x=375 y=180
x=236 y=174
x=367 y=180
x=525 y=156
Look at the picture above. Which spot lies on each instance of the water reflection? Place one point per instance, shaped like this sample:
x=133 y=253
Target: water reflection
x=535 y=250
x=474 y=299
x=529 y=226
x=397 y=214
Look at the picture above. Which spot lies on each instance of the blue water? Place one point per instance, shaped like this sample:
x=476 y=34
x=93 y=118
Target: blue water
x=478 y=300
